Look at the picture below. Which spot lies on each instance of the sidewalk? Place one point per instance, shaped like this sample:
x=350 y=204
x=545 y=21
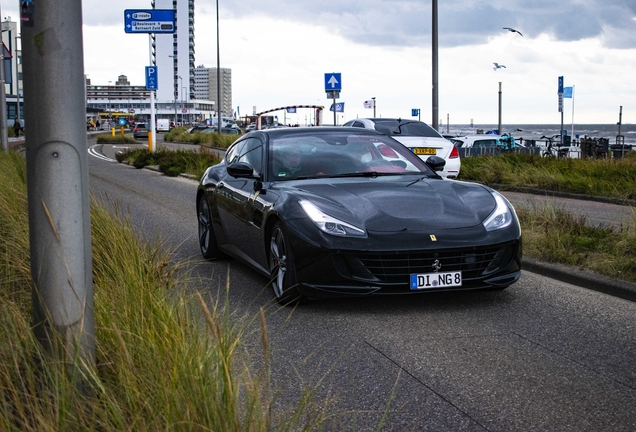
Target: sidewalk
x=17 y=142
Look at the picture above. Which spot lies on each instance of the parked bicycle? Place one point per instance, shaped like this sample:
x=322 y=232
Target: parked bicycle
x=560 y=152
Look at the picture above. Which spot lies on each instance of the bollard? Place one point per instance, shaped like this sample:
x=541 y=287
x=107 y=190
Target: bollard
x=122 y=131
x=112 y=131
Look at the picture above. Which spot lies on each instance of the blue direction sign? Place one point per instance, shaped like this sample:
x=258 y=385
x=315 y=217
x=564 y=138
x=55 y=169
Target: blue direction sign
x=149 y=21
x=333 y=82
x=151 y=78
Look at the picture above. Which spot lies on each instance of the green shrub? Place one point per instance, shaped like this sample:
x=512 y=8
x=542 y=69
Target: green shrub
x=171 y=163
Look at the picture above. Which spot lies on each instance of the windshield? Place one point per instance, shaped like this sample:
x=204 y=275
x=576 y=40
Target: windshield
x=406 y=128
x=340 y=154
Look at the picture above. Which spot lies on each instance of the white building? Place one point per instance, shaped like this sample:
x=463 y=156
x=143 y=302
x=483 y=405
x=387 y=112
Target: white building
x=13 y=72
x=174 y=53
x=120 y=99
x=206 y=86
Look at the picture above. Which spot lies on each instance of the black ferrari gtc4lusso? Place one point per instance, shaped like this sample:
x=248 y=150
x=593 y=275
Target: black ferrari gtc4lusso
x=331 y=211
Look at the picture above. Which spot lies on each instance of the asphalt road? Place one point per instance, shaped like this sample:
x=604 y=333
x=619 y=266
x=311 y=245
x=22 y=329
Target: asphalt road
x=541 y=355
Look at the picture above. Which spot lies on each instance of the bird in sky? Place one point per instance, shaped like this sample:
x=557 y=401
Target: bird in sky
x=512 y=30
x=498 y=66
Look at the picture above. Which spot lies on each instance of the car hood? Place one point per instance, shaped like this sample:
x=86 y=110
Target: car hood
x=400 y=204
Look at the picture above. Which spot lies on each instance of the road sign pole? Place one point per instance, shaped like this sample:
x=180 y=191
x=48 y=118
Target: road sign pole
x=151 y=127
x=57 y=181
x=335 y=109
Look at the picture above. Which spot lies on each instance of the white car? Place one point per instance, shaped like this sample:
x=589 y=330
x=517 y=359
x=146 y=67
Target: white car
x=419 y=137
x=470 y=141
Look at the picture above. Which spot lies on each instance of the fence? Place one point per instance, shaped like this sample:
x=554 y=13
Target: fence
x=597 y=148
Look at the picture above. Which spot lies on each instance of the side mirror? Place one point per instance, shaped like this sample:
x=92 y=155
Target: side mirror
x=240 y=170
x=436 y=163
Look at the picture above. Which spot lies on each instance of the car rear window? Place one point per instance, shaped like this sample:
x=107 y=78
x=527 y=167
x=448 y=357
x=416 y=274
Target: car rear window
x=406 y=128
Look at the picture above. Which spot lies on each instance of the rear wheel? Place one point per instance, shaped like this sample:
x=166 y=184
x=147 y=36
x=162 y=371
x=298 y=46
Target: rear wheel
x=207 y=239
x=282 y=269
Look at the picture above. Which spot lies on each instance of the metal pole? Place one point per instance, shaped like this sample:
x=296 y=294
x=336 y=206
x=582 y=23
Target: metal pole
x=174 y=93
x=435 y=69
x=181 y=98
x=499 y=121
x=57 y=180
x=218 y=70
x=4 y=138
x=17 y=77
x=573 y=87
x=373 y=98
x=152 y=126
x=334 y=109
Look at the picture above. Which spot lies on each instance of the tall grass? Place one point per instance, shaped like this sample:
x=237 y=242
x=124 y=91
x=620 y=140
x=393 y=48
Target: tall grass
x=553 y=234
x=165 y=360
x=596 y=177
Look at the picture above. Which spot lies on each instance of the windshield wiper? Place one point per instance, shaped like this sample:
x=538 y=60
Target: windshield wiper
x=361 y=174
x=420 y=179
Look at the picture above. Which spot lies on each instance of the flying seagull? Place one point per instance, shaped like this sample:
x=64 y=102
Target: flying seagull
x=498 y=66
x=512 y=30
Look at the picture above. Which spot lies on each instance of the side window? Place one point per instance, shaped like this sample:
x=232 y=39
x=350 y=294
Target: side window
x=233 y=152
x=358 y=124
x=252 y=153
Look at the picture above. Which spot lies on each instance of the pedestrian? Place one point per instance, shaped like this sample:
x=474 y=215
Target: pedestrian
x=97 y=125
x=16 y=127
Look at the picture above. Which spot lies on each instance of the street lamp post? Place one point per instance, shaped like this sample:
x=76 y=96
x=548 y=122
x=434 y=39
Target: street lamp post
x=174 y=93
x=218 y=73
x=110 y=111
x=181 y=98
x=17 y=78
x=185 y=102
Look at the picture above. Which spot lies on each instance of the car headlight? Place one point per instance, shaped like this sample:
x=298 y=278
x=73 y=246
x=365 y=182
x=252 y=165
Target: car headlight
x=328 y=224
x=501 y=217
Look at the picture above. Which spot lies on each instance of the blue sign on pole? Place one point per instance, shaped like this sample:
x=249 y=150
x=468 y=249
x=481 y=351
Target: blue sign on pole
x=149 y=21
x=151 y=78
x=415 y=112
x=560 y=84
x=333 y=82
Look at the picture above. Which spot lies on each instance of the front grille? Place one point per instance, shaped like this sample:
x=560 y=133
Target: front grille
x=396 y=267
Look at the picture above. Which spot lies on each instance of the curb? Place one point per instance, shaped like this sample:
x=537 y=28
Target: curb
x=583 y=197
x=581 y=278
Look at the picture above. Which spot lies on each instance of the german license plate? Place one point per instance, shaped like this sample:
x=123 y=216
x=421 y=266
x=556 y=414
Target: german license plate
x=424 y=151
x=436 y=280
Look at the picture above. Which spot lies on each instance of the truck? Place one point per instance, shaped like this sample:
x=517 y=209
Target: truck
x=163 y=125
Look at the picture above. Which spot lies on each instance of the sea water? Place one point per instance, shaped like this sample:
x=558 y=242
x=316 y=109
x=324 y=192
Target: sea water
x=536 y=131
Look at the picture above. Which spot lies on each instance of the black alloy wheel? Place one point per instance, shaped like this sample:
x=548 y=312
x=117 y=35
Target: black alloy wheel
x=281 y=265
x=207 y=239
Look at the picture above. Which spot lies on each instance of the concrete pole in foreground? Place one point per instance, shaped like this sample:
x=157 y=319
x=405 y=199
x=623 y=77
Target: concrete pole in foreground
x=57 y=179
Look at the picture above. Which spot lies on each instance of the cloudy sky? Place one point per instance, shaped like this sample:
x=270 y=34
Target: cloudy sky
x=280 y=50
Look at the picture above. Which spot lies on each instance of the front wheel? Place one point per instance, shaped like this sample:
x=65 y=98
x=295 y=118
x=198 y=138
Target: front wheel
x=282 y=269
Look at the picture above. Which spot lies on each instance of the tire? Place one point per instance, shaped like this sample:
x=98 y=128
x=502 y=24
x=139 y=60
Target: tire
x=207 y=239
x=282 y=269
